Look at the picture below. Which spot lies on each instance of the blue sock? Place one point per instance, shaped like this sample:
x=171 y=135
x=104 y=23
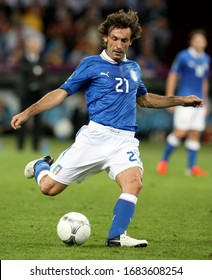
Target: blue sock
x=39 y=166
x=169 y=149
x=123 y=214
x=192 y=158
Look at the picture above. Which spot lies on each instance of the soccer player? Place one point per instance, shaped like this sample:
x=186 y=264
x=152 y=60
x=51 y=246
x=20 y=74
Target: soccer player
x=189 y=73
x=112 y=86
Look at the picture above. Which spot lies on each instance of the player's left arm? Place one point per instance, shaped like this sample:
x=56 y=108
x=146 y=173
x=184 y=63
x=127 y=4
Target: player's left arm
x=151 y=100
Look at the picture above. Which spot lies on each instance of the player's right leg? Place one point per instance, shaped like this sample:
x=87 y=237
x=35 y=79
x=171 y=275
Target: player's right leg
x=39 y=169
x=130 y=182
x=192 y=147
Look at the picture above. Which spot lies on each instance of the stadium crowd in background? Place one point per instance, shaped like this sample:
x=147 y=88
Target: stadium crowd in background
x=67 y=29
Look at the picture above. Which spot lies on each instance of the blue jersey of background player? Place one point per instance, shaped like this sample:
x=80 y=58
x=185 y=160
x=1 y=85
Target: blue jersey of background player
x=111 y=89
x=192 y=70
x=112 y=86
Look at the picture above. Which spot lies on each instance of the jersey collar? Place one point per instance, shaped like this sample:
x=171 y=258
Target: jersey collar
x=194 y=53
x=109 y=59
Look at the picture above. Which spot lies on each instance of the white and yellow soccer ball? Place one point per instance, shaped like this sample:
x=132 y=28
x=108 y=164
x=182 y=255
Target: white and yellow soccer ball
x=74 y=228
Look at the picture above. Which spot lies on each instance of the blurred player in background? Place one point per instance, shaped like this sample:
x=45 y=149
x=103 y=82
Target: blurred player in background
x=31 y=85
x=112 y=86
x=189 y=74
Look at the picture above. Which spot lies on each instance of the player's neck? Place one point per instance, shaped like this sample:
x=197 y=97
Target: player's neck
x=195 y=52
x=105 y=56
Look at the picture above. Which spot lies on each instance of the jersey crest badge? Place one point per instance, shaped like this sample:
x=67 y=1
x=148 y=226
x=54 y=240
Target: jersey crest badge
x=133 y=75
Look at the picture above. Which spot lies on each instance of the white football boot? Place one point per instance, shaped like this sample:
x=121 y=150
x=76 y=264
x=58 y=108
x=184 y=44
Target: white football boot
x=29 y=169
x=125 y=241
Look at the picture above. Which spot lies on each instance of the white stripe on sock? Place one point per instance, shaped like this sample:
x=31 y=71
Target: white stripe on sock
x=129 y=197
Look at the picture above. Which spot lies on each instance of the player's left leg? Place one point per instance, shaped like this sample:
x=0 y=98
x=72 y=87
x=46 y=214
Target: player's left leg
x=192 y=145
x=39 y=169
x=130 y=180
x=49 y=186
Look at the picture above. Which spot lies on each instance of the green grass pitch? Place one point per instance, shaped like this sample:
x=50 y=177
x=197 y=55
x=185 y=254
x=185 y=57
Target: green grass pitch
x=174 y=213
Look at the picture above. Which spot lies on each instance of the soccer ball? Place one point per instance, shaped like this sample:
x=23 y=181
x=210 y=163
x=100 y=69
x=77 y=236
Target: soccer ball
x=73 y=228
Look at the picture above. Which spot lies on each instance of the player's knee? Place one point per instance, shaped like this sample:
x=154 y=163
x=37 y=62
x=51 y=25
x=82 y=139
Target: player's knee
x=130 y=181
x=139 y=184
x=173 y=140
x=136 y=183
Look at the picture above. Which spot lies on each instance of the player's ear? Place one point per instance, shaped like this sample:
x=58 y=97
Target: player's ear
x=105 y=39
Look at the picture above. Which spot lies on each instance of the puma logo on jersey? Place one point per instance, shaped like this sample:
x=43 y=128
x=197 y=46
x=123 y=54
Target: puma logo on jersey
x=105 y=74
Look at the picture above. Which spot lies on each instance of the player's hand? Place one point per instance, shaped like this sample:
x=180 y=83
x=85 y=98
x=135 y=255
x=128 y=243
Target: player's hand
x=192 y=100
x=18 y=120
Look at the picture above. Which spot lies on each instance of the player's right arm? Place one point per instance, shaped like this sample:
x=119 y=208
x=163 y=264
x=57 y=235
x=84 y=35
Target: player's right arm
x=48 y=101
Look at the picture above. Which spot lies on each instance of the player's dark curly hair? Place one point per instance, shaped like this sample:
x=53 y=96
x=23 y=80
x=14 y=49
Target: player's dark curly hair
x=122 y=19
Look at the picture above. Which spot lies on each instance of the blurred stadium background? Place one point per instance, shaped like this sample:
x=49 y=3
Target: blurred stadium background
x=68 y=32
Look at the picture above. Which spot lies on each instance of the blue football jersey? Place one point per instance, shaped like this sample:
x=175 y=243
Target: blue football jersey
x=192 y=70
x=110 y=89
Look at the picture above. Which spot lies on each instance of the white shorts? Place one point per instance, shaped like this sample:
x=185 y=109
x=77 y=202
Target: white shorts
x=96 y=148
x=189 y=118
